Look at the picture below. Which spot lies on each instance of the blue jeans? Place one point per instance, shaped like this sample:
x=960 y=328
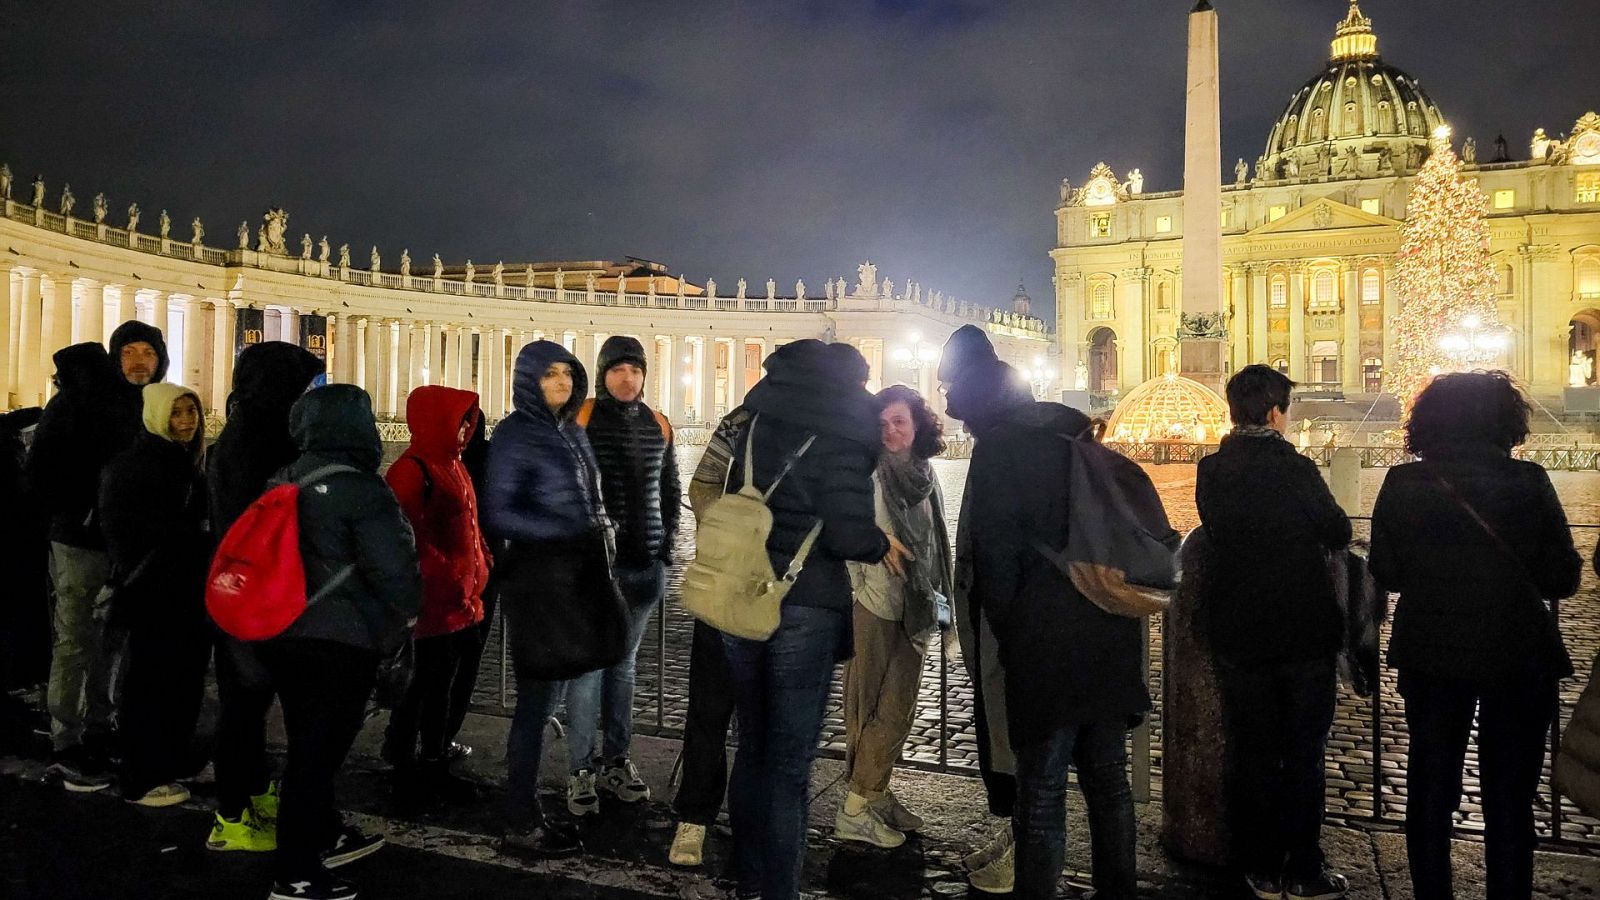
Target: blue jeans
x=608 y=693
x=536 y=703
x=780 y=690
x=1099 y=753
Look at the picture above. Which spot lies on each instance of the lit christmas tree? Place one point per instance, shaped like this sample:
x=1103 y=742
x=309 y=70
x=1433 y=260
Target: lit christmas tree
x=1444 y=278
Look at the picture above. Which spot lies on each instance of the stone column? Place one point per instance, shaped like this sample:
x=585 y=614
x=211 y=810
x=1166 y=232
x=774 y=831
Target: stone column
x=1258 y=313
x=1239 y=325
x=652 y=370
x=384 y=399
x=90 y=327
x=430 y=355
x=409 y=364
x=1297 y=324
x=676 y=370
x=127 y=309
x=10 y=376
x=1391 y=312
x=707 y=385
x=492 y=349
x=8 y=326
x=31 y=369
x=463 y=360
x=586 y=349
x=56 y=325
x=222 y=324
x=342 y=337
x=371 y=360
x=291 y=325
x=1350 y=347
x=161 y=312
x=194 y=351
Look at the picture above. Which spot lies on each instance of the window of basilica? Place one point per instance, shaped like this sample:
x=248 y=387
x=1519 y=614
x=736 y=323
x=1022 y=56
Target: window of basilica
x=1100 y=301
x=1587 y=188
x=1278 y=293
x=1324 y=290
x=1100 y=225
x=1371 y=287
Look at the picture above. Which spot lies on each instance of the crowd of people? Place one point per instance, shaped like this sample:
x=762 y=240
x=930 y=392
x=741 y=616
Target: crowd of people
x=565 y=520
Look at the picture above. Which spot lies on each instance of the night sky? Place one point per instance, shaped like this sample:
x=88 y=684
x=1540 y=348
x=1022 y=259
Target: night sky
x=785 y=140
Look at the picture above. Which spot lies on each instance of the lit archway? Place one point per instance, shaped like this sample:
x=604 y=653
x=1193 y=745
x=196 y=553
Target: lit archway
x=1582 y=340
x=1103 y=375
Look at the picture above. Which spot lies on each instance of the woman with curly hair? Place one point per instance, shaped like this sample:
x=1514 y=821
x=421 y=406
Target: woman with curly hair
x=894 y=618
x=1476 y=543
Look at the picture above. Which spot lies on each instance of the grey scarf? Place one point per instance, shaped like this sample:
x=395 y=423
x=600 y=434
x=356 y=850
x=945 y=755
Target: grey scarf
x=1258 y=431
x=911 y=494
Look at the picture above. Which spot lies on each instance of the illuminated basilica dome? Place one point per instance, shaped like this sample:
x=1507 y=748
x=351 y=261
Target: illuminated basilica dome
x=1170 y=408
x=1358 y=117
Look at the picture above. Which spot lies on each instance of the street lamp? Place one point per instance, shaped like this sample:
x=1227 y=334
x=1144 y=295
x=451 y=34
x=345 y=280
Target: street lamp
x=1040 y=377
x=916 y=356
x=1474 y=344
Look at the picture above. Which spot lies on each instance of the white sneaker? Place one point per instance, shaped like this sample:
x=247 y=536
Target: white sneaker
x=895 y=815
x=688 y=845
x=997 y=843
x=624 y=782
x=581 y=797
x=858 y=821
x=162 y=795
x=998 y=876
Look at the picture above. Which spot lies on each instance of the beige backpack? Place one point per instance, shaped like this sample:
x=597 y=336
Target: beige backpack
x=731 y=585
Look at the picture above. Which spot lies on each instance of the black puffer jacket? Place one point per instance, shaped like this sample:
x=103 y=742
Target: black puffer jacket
x=351 y=519
x=1471 y=608
x=1272 y=521
x=810 y=389
x=153 y=511
x=638 y=468
x=91 y=419
x=1066 y=660
x=255 y=442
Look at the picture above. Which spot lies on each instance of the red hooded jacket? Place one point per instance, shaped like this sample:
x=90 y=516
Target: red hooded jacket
x=436 y=494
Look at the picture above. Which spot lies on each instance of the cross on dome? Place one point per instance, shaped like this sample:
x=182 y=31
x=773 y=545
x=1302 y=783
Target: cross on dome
x=1354 y=39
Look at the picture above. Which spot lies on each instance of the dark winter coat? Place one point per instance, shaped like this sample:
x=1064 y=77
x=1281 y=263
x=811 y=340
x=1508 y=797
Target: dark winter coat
x=255 y=442
x=638 y=466
x=1272 y=522
x=808 y=392
x=542 y=483
x=436 y=494
x=153 y=511
x=91 y=419
x=1472 y=608
x=1066 y=660
x=24 y=552
x=350 y=519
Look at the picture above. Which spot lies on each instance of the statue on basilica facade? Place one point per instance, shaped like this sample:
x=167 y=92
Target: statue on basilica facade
x=799 y=289
x=1469 y=151
x=197 y=231
x=1136 y=182
x=305 y=246
x=711 y=288
x=1385 y=160
x=1241 y=171
x=323 y=250
x=438 y=266
x=38 y=190
x=827 y=289
x=561 y=281
x=471 y=272
x=100 y=209
x=244 y=235
x=1351 y=164
x=67 y=200
x=377 y=262
x=405 y=263
x=888 y=290
x=622 y=285
x=1539 y=147
x=274 y=232
x=344 y=256
x=1066 y=190
x=527 y=278
x=772 y=289
x=1580 y=370
x=838 y=288
x=165 y=224
x=588 y=282
x=1080 y=377
x=867 y=285
x=499 y=274
x=741 y=286
x=133 y=218
x=5 y=182
x=1291 y=168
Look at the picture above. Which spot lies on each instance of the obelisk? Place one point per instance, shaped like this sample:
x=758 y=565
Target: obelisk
x=1195 y=755
x=1202 y=358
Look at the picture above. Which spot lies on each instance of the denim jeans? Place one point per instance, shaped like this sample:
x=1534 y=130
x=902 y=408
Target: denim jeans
x=705 y=729
x=81 y=693
x=536 y=703
x=1098 y=751
x=1513 y=730
x=781 y=691
x=1277 y=717
x=608 y=693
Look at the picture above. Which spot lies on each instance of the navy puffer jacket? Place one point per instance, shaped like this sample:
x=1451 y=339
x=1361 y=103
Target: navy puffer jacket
x=542 y=484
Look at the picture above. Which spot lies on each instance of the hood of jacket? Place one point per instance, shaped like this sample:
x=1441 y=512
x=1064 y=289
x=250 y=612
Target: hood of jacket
x=336 y=422
x=132 y=332
x=818 y=388
x=434 y=413
x=968 y=348
x=531 y=364
x=983 y=393
x=619 y=348
x=159 y=398
x=272 y=375
x=85 y=368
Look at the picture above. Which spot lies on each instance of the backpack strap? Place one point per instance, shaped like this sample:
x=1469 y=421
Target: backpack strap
x=343 y=575
x=666 y=426
x=322 y=472
x=798 y=561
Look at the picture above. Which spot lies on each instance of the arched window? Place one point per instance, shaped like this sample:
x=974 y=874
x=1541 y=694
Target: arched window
x=1164 y=296
x=1371 y=287
x=1504 y=280
x=1278 y=293
x=1100 y=301
x=1588 y=278
x=1317 y=125
x=1282 y=365
x=1324 y=290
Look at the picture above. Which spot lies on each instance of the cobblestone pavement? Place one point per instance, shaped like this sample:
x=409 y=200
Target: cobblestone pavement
x=663 y=676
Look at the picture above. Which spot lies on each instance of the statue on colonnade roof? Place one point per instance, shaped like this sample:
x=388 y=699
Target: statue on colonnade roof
x=274 y=232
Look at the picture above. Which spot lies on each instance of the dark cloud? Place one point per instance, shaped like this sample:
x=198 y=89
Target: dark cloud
x=726 y=138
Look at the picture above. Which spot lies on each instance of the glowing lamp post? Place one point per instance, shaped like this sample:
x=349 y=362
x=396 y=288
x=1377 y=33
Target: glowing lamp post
x=917 y=356
x=1040 y=377
x=1472 y=344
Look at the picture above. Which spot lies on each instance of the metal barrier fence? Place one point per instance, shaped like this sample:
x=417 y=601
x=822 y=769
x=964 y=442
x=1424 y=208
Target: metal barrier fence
x=1386 y=803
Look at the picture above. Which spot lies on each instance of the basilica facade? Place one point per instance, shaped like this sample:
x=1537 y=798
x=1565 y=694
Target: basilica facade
x=1310 y=231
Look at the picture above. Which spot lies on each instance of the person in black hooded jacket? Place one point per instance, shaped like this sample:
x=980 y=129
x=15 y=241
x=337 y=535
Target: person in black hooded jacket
x=24 y=557
x=267 y=379
x=639 y=481
x=153 y=512
x=86 y=423
x=781 y=684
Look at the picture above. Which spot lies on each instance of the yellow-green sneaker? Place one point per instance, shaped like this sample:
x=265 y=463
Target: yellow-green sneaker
x=248 y=834
x=265 y=805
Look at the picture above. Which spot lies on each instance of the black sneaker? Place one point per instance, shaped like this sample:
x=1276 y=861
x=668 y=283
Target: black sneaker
x=78 y=771
x=1265 y=887
x=349 y=846
x=543 y=841
x=1327 y=885
x=324 y=888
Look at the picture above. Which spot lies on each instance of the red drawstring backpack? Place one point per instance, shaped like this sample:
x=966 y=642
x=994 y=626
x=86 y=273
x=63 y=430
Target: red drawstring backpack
x=257 y=584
